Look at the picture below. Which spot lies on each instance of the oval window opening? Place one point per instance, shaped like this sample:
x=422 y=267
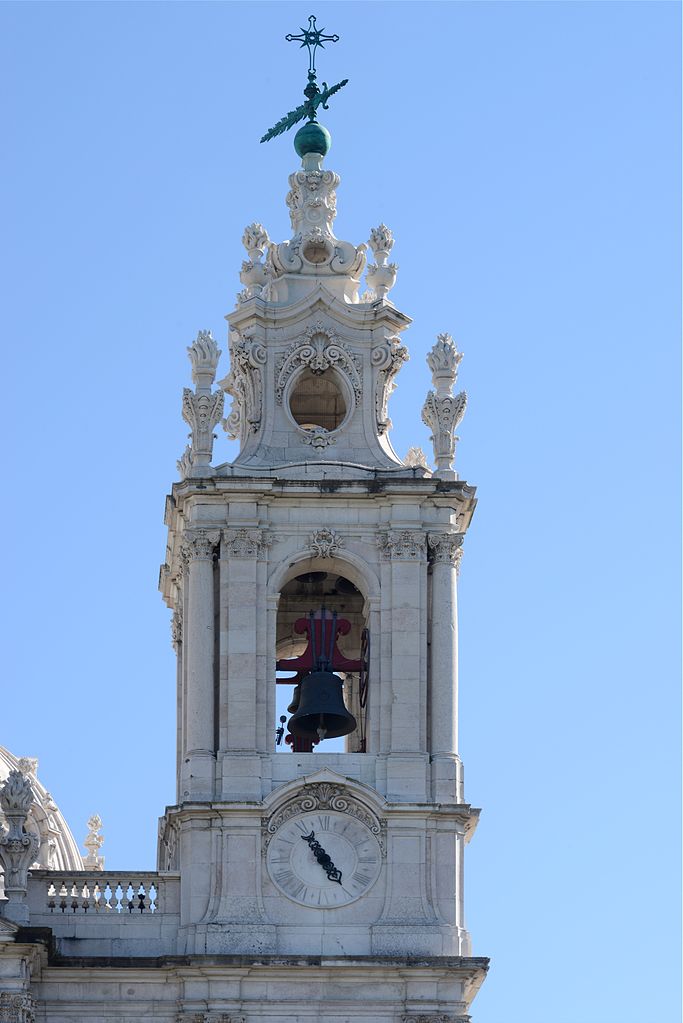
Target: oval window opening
x=317 y=401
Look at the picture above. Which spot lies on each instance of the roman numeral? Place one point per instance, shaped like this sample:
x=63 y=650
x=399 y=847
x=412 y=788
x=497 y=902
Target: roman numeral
x=324 y=823
x=362 y=880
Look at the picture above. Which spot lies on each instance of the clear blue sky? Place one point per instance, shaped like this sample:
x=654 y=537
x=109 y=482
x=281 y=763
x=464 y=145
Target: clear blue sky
x=527 y=158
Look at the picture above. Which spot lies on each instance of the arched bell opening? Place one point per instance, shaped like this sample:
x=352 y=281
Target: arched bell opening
x=321 y=624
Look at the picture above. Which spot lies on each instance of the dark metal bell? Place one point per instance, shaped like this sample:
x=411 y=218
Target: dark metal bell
x=321 y=709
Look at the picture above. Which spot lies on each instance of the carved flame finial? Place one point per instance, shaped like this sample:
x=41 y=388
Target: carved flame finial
x=443 y=411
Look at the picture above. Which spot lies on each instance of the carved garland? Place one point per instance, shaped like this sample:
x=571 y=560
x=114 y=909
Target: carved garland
x=324 y=796
x=319 y=348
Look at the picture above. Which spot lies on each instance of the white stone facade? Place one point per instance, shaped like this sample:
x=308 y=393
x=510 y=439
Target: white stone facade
x=316 y=510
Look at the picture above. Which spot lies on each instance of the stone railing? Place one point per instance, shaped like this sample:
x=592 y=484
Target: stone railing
x=102 y=893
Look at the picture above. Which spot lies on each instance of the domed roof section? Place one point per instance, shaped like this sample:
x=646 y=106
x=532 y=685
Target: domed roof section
x=58 y=849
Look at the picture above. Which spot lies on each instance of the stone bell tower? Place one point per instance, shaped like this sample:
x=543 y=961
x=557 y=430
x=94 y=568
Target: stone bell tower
x=335 y=865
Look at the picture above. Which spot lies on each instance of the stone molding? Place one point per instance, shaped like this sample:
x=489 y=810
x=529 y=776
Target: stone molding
x=17 y=1007
x=319 y=348
x=388 y=359
x=200 y=545
x=402 y=545
x=445 y=547
x=326 y=542
x=244 y=384
x=246 y=543
x=323 y=796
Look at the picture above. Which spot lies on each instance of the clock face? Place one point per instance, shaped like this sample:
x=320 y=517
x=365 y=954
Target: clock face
x=324 y=859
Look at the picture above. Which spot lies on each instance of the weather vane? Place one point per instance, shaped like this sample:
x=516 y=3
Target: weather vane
x=312 y=137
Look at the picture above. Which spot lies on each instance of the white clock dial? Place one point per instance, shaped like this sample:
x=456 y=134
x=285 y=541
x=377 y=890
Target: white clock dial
x=324 y=859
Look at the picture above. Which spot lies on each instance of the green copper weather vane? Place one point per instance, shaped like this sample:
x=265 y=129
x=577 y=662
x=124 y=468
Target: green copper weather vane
x=312 y=137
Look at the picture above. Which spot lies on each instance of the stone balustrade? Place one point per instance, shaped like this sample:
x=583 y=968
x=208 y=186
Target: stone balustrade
x=102 y=893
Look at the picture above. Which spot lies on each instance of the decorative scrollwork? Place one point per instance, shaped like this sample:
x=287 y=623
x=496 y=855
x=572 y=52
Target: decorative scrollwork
x=388 y=359
x=244 y=383
x=319 y=348
x=324 y=796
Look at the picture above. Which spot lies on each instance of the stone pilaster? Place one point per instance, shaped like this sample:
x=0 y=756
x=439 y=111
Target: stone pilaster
x=199 y=744
x=444 y=550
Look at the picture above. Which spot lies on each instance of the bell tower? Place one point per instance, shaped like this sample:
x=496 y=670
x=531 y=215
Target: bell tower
x=318 y=571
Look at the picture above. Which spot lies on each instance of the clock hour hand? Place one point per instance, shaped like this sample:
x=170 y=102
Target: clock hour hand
x=325 y=861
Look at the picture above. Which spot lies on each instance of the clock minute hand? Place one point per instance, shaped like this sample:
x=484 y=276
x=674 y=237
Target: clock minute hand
x=325 y=861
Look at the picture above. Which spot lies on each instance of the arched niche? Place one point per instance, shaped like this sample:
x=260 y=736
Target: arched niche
x=316 y=587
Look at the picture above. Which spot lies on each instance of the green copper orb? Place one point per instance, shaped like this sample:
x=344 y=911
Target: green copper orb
x=312 y=138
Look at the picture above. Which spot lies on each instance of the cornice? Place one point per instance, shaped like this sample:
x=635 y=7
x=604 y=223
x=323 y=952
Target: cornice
x=359 y=315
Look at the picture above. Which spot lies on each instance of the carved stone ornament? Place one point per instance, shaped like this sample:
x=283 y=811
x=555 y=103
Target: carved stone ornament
x=93 y=842
x=204 y=354
x=177 y=627
x=184 y=463
x=445 y=547
x=209 y=1017
x=244 y=383
x=17 y=1007
x=416 y=458
x=318 y=437
x=319 y=348
x=443 y=411
x=324 y=796
x=435 y=1017
x=387 y=358
x=326 y=542
x=201 y=412
x=245 y=543
x=313 y=247
x=381 y=276
x=254 y=274
x=18 y=847
x=200 y=545
x=402 y=545
x=255 y=240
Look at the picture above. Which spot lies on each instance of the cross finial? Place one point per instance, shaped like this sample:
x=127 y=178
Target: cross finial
x=312 y=38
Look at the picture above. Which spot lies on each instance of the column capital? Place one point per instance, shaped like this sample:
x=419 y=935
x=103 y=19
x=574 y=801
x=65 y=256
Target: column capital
x=200 y=544
x=402 y=545
x=445 y=547
x=246 y=543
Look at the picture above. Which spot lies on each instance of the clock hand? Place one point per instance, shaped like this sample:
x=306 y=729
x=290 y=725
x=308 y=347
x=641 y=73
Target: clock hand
x=325 y=861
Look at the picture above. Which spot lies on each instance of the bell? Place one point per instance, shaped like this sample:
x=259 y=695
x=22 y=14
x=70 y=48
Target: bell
x=321 y=709
x=296 y=696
